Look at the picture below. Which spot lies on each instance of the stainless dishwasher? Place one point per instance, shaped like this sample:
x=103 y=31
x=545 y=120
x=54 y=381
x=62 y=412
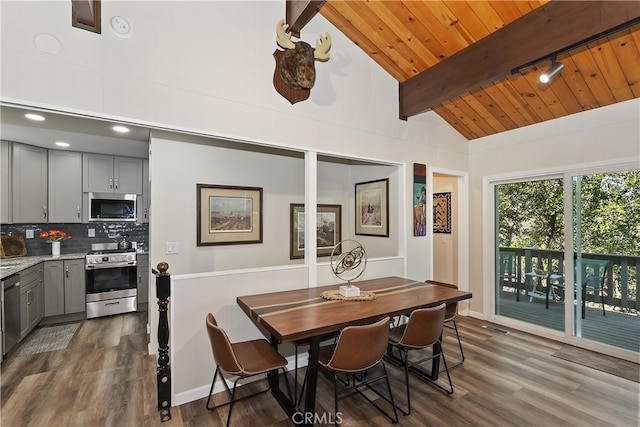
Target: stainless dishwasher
x=10 y=313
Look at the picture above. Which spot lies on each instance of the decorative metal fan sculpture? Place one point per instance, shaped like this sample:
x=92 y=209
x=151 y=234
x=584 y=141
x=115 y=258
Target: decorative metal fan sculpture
x=348 y=262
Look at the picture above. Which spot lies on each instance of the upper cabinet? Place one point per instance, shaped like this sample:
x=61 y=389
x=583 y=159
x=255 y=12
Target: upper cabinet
x=65 y=186
x=109 y=174
x=5 y=182
x=29 y=184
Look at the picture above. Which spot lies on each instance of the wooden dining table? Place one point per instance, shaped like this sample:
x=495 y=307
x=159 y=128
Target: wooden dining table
x=303 y=314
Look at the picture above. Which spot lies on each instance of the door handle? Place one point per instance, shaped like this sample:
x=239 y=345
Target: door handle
x=66 y=271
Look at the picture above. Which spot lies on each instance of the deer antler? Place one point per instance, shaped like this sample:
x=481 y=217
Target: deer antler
x=282 y=37
x=323 y=45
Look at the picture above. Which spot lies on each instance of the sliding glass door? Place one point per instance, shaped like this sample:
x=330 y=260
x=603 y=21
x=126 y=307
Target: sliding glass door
x=606 y=223
x=529 y=251
x=588 y=291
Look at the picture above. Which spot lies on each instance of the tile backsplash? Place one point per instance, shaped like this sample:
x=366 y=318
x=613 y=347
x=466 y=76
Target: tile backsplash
x=105 y=232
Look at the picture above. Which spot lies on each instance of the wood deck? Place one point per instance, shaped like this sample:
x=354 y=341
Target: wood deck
x=615 y=328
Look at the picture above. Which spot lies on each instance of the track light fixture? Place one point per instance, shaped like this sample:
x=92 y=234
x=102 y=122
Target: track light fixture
x=553 y=70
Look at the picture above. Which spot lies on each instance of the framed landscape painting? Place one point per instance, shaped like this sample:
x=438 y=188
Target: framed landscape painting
x=328 y=229
x=372 y=208
x=228 y=215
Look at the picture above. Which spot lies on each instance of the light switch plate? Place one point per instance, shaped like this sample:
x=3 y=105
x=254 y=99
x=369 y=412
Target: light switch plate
x=29 y=234
x=172 y=248
x=91 y=232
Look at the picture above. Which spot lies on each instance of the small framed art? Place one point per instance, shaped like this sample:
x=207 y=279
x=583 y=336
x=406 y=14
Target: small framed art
x=329 y=229
x=372 y=208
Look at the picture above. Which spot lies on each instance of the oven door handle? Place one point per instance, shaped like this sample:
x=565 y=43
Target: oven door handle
x=110 y=265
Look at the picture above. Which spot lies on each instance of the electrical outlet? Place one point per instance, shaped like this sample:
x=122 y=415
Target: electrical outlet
x=29 y=234
x=91 y=232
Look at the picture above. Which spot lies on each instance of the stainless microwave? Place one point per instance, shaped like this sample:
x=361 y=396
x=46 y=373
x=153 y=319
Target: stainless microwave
x=112 y=207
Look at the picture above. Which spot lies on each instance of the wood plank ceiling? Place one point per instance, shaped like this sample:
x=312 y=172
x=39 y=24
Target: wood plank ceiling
x=407 y=37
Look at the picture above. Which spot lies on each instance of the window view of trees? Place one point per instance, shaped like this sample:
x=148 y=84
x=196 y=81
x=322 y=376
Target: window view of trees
x=531 y=214
x=611 y=213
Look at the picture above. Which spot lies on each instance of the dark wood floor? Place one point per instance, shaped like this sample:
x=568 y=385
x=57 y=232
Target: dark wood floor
x=104 y=378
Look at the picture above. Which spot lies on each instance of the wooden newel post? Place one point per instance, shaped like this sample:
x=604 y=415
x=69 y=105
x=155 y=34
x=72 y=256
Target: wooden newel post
x=163 y=374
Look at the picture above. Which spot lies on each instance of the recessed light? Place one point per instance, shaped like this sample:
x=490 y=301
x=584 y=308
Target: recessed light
x=121 y=129
x=62 y=144
x=120 y=26
x=35 y=117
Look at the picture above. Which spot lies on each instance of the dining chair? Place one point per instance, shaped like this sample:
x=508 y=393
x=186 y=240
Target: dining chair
x=240 y=360
x=357 y=350
x=423 y=329
x=593 y=275
x=450 y=314
x=297 y=345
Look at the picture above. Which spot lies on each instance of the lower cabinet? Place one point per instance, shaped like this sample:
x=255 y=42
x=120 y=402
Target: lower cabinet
x=143 y=281
x=64 y=290
x=31 y=299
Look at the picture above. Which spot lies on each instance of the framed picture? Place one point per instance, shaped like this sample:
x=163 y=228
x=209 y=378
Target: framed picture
x=329 y=229
x=372 y=208
x=419 y=204
x=229 y=215
x=442 y=212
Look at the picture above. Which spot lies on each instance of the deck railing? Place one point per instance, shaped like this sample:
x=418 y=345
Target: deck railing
x=621 y=283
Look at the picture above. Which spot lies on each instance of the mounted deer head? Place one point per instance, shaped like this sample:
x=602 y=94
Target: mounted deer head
x=295 y=65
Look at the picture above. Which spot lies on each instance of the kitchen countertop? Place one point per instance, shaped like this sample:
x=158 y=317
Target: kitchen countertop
x=9 y=266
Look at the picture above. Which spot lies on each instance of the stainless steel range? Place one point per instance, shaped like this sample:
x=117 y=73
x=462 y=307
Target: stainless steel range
x=111 y=280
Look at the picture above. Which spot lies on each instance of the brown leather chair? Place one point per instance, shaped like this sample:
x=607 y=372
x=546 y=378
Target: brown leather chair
x=241 y=360
x=450 y=320
x=423 y=329
x=358 y=349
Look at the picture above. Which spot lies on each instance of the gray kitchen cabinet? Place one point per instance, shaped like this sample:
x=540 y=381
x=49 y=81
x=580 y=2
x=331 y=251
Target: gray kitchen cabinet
x=29 y=184
x=143 y=281
x=65 y=186
x=53 y=288
x=31 y=299
x=64 y=287
x=111 y=174
x=5 y=182
x=74 y=286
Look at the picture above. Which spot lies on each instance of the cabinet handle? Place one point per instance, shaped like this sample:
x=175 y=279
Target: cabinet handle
x=78 y=211
x=116 y=183
x=66 y=271
x=44 y=211
x=110 y=182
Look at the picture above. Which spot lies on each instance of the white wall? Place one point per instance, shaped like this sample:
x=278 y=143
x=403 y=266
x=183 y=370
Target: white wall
x=593 y=137
x=207 y=67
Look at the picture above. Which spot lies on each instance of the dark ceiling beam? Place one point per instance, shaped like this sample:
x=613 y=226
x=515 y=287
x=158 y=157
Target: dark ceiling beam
x=300 y=12
x=551 y=29
x=85 y=14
